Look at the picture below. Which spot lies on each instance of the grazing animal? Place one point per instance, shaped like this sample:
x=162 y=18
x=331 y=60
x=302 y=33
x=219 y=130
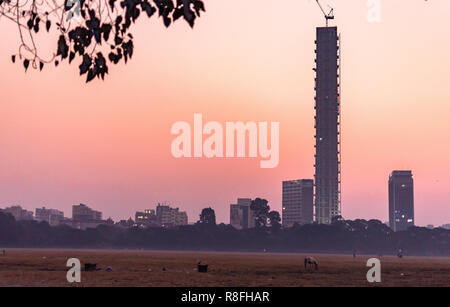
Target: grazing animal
x=311 y=262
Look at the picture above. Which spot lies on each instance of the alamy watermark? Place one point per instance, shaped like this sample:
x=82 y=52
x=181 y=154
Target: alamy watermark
x=374 y=11
x=235 y=136
x=74 y=273
x=374 y=274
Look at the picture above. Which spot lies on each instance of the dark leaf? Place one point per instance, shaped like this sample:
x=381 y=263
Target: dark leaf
x=90 y=75
x=106 y=29
x=199 y=6
x=177 y=13
x=41 y=66
x=111 y=4
x=84 y=67
x=98 y=35
x=118 y=40
x=150 y=10
x=13 y=58
x=63 y=49
x=189 y=16
x=48 y=25
x=167 y=21
x=26 y=63
x=71 y=56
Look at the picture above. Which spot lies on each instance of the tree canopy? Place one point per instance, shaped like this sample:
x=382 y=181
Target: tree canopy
x=344 y=236
x=208 y=217
x=94 y=32
x=261 y=210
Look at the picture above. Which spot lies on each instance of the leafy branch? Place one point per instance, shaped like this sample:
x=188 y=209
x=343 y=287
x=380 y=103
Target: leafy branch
x=95 y=31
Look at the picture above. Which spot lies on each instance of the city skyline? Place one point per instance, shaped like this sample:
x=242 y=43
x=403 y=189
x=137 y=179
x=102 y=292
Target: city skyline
x=107 y=144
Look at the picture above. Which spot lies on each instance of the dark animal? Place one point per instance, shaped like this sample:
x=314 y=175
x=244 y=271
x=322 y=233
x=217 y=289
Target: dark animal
x=312 y=263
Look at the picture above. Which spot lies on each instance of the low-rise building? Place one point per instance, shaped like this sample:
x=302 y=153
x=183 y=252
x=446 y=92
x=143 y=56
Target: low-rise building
x=19 y=213
x=82 y=212
x=167 y=216
x=52 y=216
x=146 y=218
x=84 y=217
x=163 y=216
x=446 y=226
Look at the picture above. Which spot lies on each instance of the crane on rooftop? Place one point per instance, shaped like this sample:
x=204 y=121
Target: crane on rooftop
x=329 y=15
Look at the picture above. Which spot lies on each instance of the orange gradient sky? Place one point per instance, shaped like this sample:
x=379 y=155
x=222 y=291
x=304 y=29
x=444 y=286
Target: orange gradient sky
x=107 y=144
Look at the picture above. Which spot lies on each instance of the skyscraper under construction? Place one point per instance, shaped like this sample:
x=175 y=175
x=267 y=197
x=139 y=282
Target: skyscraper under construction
x=327 y=124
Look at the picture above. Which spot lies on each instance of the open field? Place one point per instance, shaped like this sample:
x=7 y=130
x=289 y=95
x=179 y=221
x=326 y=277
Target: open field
x=47 y=267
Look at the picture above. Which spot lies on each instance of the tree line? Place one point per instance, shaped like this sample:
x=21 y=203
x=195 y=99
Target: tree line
x=342 y=236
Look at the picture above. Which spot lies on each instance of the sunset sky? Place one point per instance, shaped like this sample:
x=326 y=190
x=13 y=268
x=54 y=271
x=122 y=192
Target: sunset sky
x=107 y=144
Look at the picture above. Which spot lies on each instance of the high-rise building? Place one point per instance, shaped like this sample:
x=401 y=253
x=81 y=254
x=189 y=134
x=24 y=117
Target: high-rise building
x=401 y=200
x=52 y=216
x=327 y=125
x=18 y=213
x=241 y=216
x=297 y=201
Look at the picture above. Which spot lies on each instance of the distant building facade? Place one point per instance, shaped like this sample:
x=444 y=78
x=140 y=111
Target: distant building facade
x=84 y=217
x=401 y=200
x=52 y=216
x=446 y=226
x=82 y=212
x=241 y=216
x=167 y=216
x=146 y=218
x=19 y=213
x=297 y=202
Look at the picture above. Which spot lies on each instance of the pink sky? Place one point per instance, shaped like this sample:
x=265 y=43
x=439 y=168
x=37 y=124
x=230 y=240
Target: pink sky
x=107 y=144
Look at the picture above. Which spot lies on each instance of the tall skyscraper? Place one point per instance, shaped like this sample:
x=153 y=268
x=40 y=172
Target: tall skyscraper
x=327 y=125
x=297 y=202
x=401 y=200
x=241 y=216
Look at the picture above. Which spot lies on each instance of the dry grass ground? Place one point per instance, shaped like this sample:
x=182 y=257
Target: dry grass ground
x=47 y=267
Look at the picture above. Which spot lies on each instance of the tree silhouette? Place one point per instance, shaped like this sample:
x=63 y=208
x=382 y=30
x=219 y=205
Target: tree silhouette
x=345 y=236
x=208 y=217
x=95 y=31
x=261 y=210
x=275 y=219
